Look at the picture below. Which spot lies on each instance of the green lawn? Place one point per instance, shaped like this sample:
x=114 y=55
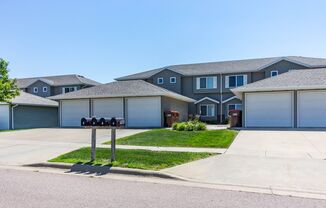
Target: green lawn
x=140 y=159
x=168 y=138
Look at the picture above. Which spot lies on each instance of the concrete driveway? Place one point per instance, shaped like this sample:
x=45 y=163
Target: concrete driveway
x=39 y=145
x=290 y=161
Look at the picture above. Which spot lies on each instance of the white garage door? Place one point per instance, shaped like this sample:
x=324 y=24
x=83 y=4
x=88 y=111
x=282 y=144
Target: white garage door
x=269 y=109
x=4 y=117
x=144 y=112
x=312 y=109
x=72 y=111
x=107 y=108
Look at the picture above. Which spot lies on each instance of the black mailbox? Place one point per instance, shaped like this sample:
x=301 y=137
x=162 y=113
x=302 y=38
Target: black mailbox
x=103 y=122
x=113 y=122
x=86 y=122
x=94 y=121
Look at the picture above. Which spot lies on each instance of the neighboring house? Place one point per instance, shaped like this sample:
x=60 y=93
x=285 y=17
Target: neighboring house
x=296 y=99
x=210 y=84
x=54 y=85
x=28 y=111
x=141 y=103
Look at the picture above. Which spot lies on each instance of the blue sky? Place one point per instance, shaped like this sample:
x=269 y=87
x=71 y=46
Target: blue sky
x=107 y=39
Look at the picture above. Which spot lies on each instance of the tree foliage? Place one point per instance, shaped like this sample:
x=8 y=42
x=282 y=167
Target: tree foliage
x=8 y=87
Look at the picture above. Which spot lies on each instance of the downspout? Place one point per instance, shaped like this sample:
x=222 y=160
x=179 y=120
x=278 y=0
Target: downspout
x=12 y=116
x=221 y=97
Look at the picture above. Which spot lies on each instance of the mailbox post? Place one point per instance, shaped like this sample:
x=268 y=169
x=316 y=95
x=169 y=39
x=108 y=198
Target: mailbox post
x=94 y=124
x=113 y=136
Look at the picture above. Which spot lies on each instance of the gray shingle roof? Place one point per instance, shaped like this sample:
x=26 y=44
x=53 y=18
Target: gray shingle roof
x=33 y=100
x=237 y=66
x=132 y=88
x=60 y=80
x=292 y=80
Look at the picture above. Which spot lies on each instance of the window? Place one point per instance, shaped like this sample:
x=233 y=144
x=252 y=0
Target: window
x=206 y=82
x=35 y=90
x=173 y=80
x=160 y=80
x=274 y=73
x=235 y=81
x=235 y=107
x=68 y=89
x=45 y=89
x=207 y=110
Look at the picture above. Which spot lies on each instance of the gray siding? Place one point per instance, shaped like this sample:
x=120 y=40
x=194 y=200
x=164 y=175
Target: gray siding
x=35 y=117
x=39 y=84
x=166 y=74
x=175 y=105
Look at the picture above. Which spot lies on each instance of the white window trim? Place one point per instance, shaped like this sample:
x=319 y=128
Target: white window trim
x=160 y=80
x=273 y=72
x=235 y=107
x=227 y=82
x=45 y=89
x=35 y=89
x=175 y=80
x=207 y=110
x=214 y=82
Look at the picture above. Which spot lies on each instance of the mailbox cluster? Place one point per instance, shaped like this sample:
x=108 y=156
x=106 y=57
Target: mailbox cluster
x=105 y=122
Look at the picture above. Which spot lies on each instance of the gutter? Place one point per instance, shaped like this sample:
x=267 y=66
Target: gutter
x=12 y=116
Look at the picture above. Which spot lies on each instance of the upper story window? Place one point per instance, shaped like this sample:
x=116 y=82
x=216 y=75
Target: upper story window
x=235 y=81
x=45 y=89
x=173 y=80
x=207 y=110
x=206 y=82
x=35 y=89
x=274 y=73
x=160 y=80
x=68 y=89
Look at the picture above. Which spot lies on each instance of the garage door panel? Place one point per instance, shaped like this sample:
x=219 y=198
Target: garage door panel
x=72 y=111
x=109 y=107
x=269 y=109
x=144 y=112
x=312 y=109
x=4 y=117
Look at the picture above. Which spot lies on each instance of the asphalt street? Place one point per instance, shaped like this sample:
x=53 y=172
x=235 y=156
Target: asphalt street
x=21 y=188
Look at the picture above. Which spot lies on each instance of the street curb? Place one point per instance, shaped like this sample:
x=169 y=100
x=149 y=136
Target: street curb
x=102 y=170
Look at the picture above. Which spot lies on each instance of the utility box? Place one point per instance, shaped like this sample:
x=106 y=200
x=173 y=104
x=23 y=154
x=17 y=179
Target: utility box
x=170 y=117
x=235 y=118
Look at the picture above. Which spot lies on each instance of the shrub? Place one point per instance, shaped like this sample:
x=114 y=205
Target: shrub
x=199 y=126
x=175 y=126
x=189 y=126
x=181 y=126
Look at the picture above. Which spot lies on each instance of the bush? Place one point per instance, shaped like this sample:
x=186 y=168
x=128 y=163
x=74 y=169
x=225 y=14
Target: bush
x=181 y=126
x=189 y=126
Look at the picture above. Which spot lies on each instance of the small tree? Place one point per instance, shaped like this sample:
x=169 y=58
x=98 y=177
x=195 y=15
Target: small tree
x=8 y=87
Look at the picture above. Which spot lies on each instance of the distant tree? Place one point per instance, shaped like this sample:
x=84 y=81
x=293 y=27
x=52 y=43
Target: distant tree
x=8 y=87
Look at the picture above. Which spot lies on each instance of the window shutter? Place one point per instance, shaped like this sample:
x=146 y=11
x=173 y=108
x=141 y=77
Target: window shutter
x=214 y=82
x=198 y=83
x=226 y=81
x=75 y=88
x=63 y=90
x=245 y=79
